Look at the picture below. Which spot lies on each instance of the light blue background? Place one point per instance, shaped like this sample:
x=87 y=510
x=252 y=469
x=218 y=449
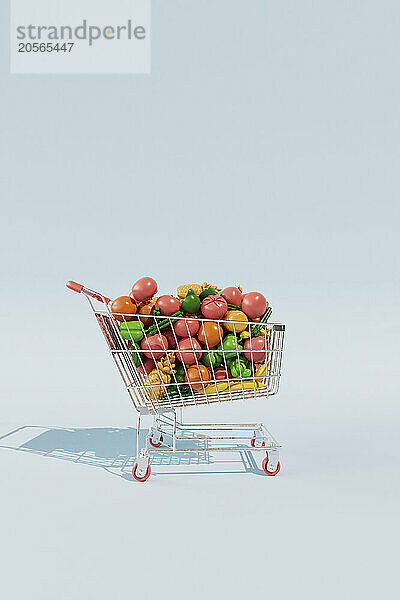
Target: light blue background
x=263 y=150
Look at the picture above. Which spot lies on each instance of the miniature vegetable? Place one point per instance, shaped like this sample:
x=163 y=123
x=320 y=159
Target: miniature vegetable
x=196 y=375
x=145 y=309
x=239 y=367
x=155 y=346
x=214 y=307
x=134 y=346
x=254 y=304
x=255 y=349
x=220 y=373
x=230 y=346
x=168 y=305
x=257 y=329
x=133 y=330
x=186 y=327
x=162 y=323
x=191 y=303
x=210 y=333
x=144 y=289
x=211 y=359
x=233 y=295
x=189 y=358
x=180 y=373
x=125 y=305
x=207 y=292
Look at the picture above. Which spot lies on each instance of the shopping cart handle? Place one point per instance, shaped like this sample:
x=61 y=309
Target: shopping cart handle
x=78 y=287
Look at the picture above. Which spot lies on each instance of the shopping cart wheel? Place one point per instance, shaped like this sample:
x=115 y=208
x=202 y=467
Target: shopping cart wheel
x=155 y=444
x=137 y=474
x=253 y=443
x=265 y=467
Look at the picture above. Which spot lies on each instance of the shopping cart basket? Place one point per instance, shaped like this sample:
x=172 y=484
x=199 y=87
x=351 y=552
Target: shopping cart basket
x=162 y=397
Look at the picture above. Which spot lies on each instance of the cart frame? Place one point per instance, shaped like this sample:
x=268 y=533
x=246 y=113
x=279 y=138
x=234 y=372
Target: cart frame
x=168 y=432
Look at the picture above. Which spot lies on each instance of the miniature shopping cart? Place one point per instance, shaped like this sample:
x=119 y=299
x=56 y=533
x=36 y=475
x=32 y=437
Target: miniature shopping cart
x=159 y=395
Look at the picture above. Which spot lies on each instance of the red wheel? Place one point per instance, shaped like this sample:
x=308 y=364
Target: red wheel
x=144 y=477
x=155 y=444
x=253 y=443
x=265 y=464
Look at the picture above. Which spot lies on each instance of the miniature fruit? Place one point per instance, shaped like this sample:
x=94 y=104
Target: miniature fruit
x=145 y=309
x=125 y=305
x=155 y=345
x=213 y=388
x=168 y=305
x=254 y=304
x=147 y=366
x=183 y=289
x=232 y=295
x=144 y=289
x=189 y=358
x=197 y=373
x=235 y=315
x=171 y=337
x=255 y=349
x=210 y=334
x=214 y=307
x=191 y=303
x=186 y=327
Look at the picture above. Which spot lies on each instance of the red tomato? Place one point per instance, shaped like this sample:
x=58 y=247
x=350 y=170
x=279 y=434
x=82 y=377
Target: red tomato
x=171 y=337
x=186 y=327
x=144 y=289
x=220 y=373
x=255 y=349
x=254 y=304
x=147 y=367
x=168 y=305
x=156 y=346
x=124 y=304
x=232 y=295
x=214 y=307
x=189 y=358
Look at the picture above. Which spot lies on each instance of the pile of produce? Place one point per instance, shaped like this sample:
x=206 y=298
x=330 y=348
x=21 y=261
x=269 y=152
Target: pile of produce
x=204 y=340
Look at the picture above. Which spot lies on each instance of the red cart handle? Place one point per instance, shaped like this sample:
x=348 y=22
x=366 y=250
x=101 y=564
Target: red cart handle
x=78 y=287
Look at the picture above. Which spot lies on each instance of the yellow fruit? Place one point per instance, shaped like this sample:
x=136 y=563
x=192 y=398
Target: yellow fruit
x=183 y=289
x=235 y=315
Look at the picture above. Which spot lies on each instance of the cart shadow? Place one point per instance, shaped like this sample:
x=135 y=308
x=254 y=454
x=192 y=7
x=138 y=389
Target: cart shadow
x=114 y=450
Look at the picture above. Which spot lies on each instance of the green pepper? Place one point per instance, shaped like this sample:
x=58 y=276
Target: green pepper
x=191 y=304
x=211 y=359
x=180 y=373
x=240 y=367
x=231 y=346
x=132 y=330
x=207 y=292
